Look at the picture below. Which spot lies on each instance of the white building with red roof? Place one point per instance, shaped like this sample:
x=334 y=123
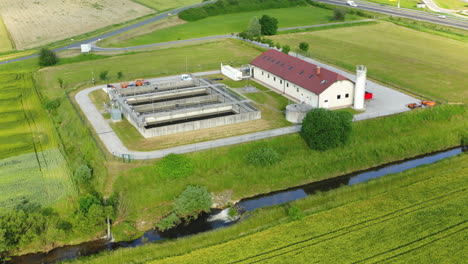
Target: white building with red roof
x=304 y=81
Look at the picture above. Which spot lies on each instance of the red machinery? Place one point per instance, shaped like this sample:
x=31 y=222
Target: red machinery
x=368 y=96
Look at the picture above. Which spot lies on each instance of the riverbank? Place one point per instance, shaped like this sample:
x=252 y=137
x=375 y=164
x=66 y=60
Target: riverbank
x=381 y=204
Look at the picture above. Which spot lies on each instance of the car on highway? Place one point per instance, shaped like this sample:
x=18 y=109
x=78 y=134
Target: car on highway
x=351 y=3
x=442 y=16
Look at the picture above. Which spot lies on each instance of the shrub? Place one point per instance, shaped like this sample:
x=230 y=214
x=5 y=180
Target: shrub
x=192 y=201
x=295 y=213
x=323 y=129
x=304 y=46
x=233 y=213
x=255 y=29
x=339 y=14
x=83 y=174
x=85 y=203
x=47 y=58
x=262 y=157
x=103 y=75
x=175 y=166
x=269 y=25
x=269 y=42
x=286 y=49
x=119 y=75
x=278 y=45
x=168 y=222
x=52 y=104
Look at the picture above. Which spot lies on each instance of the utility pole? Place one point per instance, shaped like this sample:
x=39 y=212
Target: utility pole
x=92 y=78
x=398 y=3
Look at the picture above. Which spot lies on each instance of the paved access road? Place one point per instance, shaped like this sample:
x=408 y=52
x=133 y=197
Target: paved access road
x=116 y=32
x=404 y=12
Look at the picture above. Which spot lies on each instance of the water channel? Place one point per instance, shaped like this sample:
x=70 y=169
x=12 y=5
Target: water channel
x=219 y=218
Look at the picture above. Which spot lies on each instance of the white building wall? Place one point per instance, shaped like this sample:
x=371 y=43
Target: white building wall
x=269 y=78
x=301 y=94
x=339 y=94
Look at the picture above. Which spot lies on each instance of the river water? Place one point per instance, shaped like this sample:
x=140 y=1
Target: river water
x=218 y=218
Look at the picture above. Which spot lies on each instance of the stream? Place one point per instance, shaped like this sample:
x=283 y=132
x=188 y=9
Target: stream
x=219 y=218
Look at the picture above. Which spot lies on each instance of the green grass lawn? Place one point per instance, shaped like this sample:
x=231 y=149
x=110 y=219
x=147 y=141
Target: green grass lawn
x=403 y=3
x=421 y=63
x=352 y=222
x=5 y=43
x=232 y=23
x=452 y=4
x=161 y=5
x=373 y=142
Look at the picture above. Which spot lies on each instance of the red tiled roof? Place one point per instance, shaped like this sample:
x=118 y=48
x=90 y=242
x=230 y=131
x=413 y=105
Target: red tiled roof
x=296 y=71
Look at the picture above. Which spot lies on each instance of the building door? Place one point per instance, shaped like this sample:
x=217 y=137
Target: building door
x=325 y=104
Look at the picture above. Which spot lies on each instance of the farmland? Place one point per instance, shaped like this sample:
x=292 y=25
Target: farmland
x=161 y=5
x=349 y=221
x=452 y=4
x=373 y=142
x=5 y=43
x=417 y=62
x=231 y=23
x=32 y=167
x=33 y=23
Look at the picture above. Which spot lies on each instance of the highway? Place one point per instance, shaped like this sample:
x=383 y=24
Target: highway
x=404 y=12
x=384 y=9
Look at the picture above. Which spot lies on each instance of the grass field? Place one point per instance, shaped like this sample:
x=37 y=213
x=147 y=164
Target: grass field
x=5 y=43
x=32 y=167
x=161 y=5
x=345 y=221
x=373 y=142
x=232 y=23
x=452 y=4
x=418 y=62
x=403 y=3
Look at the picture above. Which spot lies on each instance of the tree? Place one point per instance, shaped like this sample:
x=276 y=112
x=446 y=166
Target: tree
x=83 y=174
x=103 y=75
x=86 y=202
x=286 y=49
x=269 y=25
x=304 y=46
x=119 y=75
x=254 y=29
x=339 y=14
x=47 y=58
x=278 y=45
x=323 y=129
x=192 y=201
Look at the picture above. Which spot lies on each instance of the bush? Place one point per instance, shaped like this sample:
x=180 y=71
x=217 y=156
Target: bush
x=269 y=25
x=269 y=42
x=86 y=202
x=47 y=58
x=304 y=46
x=323 y=129
x=286 y=49
x=103 y=75
x=192 y=201
x=51 y=105
x=295 y=213
x=339 y=14
x=175 y=166
x=168 y=222
x=119 y=75
x=235 y=6
x=83 y=174
x=262 y=157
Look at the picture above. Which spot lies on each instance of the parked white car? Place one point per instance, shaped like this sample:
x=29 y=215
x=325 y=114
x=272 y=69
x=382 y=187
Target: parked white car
x=351 y=3
x=185 y=77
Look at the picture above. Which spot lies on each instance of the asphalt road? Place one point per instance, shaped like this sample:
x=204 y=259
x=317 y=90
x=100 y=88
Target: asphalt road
x=116 y=32
x=404 y=12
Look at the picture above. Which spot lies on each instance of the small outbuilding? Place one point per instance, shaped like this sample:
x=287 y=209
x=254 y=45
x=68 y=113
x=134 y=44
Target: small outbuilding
x=86 y=48
x=116 y=115
x=421 y=5
x=231 y=73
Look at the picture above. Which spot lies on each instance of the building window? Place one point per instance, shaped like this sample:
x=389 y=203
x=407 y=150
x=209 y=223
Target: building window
x=268 y=75
x=281 y=81
x=301 y=72
x=297 y=89
x=338 y=96
x=274 y=78
x=346 y=95
x=263 y=72
x=326 y=101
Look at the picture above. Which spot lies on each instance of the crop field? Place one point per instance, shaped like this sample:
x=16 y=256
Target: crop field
x=423 y=64
x=161 y=5
x=420 y=223
x=373 y=142
x=31 y=165
x=33 y=23
x=5 y=43
x=231 y=23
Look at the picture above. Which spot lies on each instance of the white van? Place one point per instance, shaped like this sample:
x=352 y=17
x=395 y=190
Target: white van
x=185 y=77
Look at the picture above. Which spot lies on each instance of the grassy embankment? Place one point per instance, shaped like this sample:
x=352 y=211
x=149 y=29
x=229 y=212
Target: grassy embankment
x=5 y=43
x=146 y=198
x=403 y=3
x=452 y=4
x=161 y=5
x=411 y=216
x=416 y=62
x=227 y=24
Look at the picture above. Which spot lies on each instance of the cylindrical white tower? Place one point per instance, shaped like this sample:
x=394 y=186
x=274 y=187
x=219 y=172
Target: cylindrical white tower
x=360 y=87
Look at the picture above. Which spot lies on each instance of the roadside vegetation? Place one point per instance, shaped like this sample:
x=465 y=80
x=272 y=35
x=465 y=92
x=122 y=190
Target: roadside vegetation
x=420 y=63
x=395 y=216
x=452 y=4
x=162 y=5
x=146 y=198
